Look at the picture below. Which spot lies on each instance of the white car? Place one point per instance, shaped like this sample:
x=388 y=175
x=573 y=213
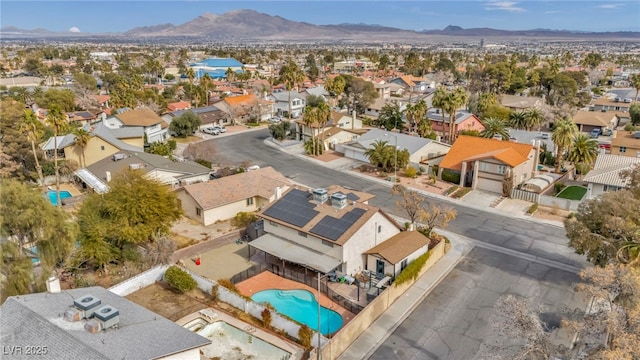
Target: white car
x=211 y=131
x=221 y=129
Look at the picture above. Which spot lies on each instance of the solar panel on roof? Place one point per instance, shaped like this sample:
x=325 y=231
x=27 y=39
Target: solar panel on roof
x=352 y=196
x=294 y=208
x=332 y=228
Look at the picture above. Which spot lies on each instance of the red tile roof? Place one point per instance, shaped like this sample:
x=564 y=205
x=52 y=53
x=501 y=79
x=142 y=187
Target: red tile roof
x=469 y=148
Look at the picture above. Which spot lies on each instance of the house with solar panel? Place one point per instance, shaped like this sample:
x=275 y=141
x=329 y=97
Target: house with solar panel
x=216 y=67
x=334 y=229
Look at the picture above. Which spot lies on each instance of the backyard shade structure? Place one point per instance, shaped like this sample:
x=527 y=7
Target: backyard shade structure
x=92 y=181
x=295 y=253
x=538 y=183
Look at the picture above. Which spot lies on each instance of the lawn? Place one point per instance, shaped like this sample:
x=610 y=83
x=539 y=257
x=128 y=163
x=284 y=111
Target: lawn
x=186 y=140
x=573 y=192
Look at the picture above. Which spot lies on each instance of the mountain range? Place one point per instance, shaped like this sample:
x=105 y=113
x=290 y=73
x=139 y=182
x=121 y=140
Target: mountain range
x=253 y=25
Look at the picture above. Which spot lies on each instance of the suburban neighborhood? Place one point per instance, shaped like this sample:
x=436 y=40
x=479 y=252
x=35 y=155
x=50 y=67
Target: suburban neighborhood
x=264 y=196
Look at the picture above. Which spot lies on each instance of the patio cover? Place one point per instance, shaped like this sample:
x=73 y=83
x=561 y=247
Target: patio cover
x=538 y=183
x=295 y=253
x=93 y=181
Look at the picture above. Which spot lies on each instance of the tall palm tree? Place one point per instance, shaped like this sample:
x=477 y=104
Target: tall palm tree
x=518 y=120
x=323 y=115
x=206 y=82
x=230 y=74
x=439 y=101
x=635 y=83
x=493 y=127
x=82 y=139
x=564 y=131
x=415 y=113
x=377 y=153
x=31 y=127
x=533 y=118
x=456 y=99
x=309 y=118
x=191 y=74
x=584 y=150
x=291 y=76
x=57 y=121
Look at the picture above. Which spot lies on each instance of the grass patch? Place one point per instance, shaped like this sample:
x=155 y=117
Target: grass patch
x=182 y=241
x=186 y=140
x=533 y=208
x=461 y=193
x=572 y=192
x=451 y=190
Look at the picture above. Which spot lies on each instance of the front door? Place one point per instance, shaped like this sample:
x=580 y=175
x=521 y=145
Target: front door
x=380 y=268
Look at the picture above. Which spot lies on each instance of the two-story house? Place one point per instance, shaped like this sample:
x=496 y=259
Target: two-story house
x=155 y=129
x=246 y=108
x=281 y=103
x=464 y=121
x=626 y=143
x=483 y=163
x=223 y=198
x=324 y=229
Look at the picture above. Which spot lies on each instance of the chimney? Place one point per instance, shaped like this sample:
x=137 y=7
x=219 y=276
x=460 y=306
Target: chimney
x=53 y=285
x=278 y=192
x=353 y=121
x=83 y=308
x=108 y=176
x=320 y=195
x=338 y=200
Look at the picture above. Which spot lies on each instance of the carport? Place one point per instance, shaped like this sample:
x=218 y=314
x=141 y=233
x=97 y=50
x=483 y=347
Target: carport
x=538 y=183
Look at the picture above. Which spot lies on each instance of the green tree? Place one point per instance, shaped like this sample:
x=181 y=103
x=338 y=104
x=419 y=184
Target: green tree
x=494 y=127
x=497 y=111
x=85 y=86
x=64 y=99
x=32 y=127
x=377 y=152
x=132 y=213
x=634 y=113
x=390 y=117
x=449 y=102
x=635 y=83
x=564 y=131
x=17 y=271
x=82 y=138
x=185 y=124
x=533 y=119
x=57 y=121
x=279 y=130
x=517 y=120
x=359 y=92
x=584 y=150
x=291 y=76
x=415 y=113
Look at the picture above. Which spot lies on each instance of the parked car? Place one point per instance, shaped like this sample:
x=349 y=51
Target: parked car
x=545 y=136
x=595 y=133
x=211 y=131
x=221 y=129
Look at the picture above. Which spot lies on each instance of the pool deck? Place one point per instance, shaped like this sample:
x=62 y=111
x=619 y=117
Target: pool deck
x=211 y=315
x=267 y=281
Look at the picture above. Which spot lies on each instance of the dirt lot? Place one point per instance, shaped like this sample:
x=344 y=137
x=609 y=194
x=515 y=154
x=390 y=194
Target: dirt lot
x=548 y=213
x=160 y=299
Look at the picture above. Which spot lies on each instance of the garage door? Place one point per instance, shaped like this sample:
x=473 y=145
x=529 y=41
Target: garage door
x=490 y=185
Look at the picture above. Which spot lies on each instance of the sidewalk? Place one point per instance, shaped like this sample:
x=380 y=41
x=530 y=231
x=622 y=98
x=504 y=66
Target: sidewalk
x=367 y=343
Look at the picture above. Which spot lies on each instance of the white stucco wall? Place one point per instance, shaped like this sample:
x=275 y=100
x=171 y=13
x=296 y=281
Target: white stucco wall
x=193 y=354
x=394 y=269
x=228 y=211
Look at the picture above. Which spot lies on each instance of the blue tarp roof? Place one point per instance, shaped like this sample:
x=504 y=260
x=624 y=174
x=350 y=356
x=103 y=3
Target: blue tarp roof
x=220 y=62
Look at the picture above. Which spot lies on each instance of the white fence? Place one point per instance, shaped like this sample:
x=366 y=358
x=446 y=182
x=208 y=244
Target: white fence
x=139 y=281
x=545 y=200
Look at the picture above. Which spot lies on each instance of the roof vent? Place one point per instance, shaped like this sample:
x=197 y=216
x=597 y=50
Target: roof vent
x=617 y=99
x=83 y=308
x=338 y=200
x=104 y=318
x=136 y=166
x=320 y=195
x=118 y=156
x=636 y=135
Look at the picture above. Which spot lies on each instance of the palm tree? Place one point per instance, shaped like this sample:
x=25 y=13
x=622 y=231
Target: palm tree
x=635 y=83
x=533 y=118
x=450 y=102
x=191 y=74
x=82 y=139
x=323 y=115
x=230 y=74
x=377 y=153
x=415 y=113
x=57 y=120
x=439 y=101
x=493 y=127
x=31 y=126
x=518 y=120
x=564 y=131
x=207 y=84
x=584 y=150
x=309 y=118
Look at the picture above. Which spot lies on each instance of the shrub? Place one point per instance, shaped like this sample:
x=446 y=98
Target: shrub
x=203 y=162
x=412 y=270
x=305 y=334
x=410 y=172
x=226 y=283
x=533 y=208
x=629 y=127
x=461 y=193
x=451 y=176
x=558 y=187
x=214 y=292
x=266 y=318
x=243 y=219
x=179 y=279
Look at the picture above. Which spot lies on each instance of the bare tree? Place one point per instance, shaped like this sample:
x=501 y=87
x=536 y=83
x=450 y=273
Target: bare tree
x=410 y=202
x=435 y=215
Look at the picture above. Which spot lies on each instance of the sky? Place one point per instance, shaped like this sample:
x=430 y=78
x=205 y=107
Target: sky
x=89 y=16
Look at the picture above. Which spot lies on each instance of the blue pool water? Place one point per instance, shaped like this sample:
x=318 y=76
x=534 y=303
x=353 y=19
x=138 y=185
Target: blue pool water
x=52 y=196
x=301 y=305
x=34 y=260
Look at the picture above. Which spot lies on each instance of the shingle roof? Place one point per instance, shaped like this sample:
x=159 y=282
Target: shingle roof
x=520 y=102
x=229 y=189
x=63 y=142
x=241 y=100
x=37 y=319
x=106 y=134
x=139 y=117
x=626 y=139
x=399 y=246
x=594 y=118
x=411 y=143
x=284 y=95
x=607 y=169
x=469 y=148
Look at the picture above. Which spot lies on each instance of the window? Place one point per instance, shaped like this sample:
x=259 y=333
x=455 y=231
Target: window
x=623 y=149
x=249 y=201
x=303 y=234
x=611 y=188
x=403 y=264
x=379 y=229
x=327 y=243
x=198 y=211
x=483 y=166
x=502 y=169
x=102 y=147
x=273 y=224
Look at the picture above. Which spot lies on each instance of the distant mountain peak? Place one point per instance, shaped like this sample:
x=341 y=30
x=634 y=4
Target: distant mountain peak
x=453 y=28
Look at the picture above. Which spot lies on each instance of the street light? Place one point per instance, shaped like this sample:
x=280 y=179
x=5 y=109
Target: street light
x=395 y=157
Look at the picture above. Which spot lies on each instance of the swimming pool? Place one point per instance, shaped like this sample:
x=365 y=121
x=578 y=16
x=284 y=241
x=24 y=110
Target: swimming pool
x=63 y=195
x=301 y=305
x=229 y=342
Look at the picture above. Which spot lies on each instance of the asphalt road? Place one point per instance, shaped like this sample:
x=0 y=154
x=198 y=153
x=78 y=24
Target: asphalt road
x=456 y=320
x=500 y=232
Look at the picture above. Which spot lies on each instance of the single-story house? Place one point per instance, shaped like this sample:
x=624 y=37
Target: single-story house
x=223 y=198
x=393 y=255
x=590 y=120
x=605 y=175
x=209 y=115
x=91 y=323
x=625 y=143
x=422 y=151
x=483 y=163
x=520 y=103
